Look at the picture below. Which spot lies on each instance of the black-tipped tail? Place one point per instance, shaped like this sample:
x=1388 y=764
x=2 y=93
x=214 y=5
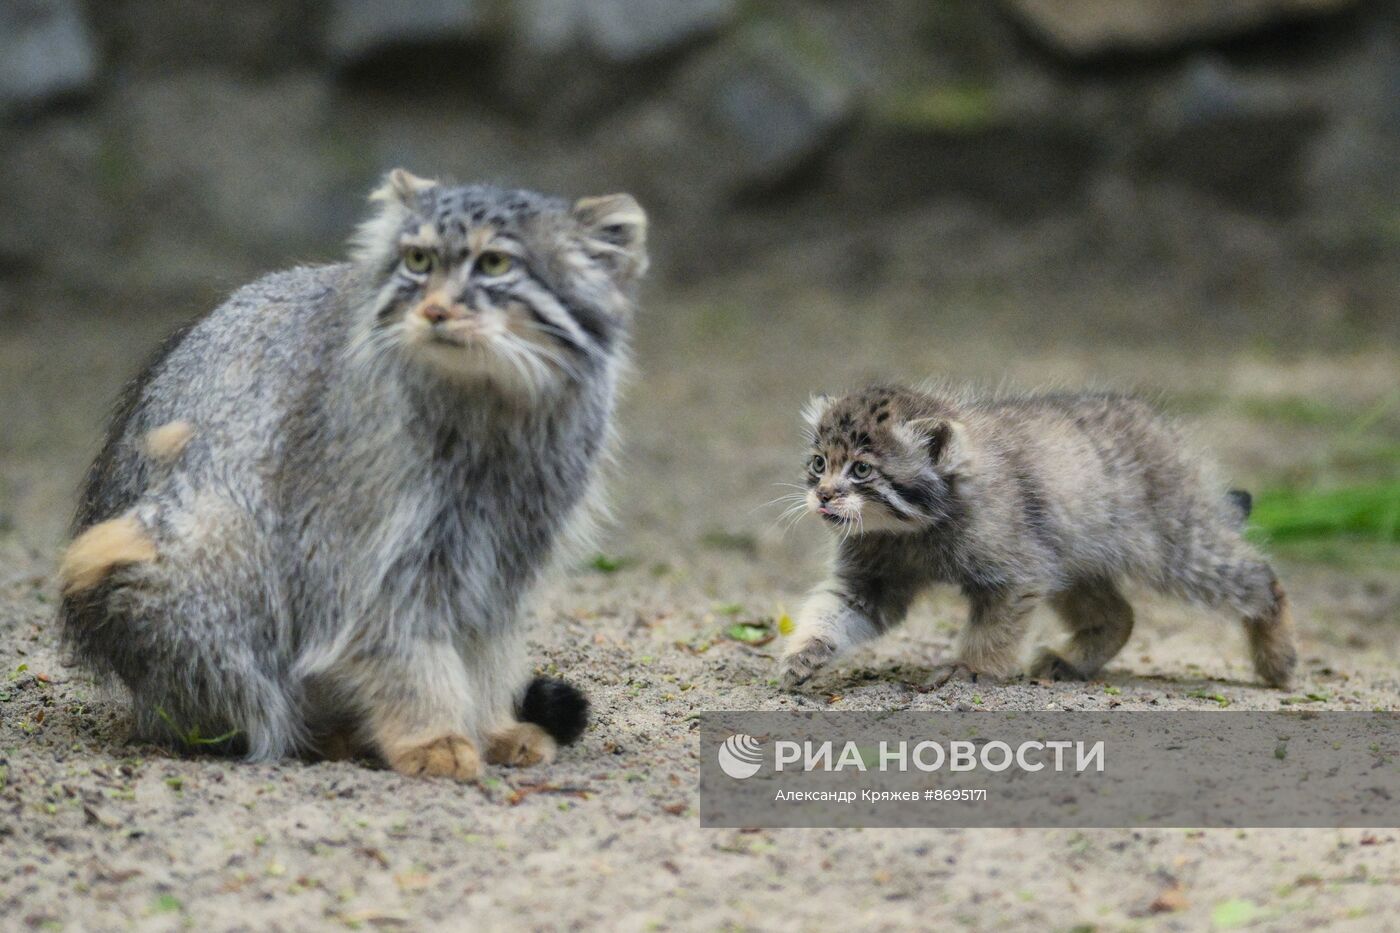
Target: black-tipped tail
x=1242 y=501
x=557 y=707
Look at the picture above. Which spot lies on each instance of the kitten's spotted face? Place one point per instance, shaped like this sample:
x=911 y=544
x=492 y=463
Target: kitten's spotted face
x=873 y=467
x=511 y=288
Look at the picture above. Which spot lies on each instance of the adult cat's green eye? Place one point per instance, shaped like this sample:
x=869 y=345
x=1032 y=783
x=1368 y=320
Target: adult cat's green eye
x=417 y=260
x=493 y=262
x=861 y=470
x=817 y=464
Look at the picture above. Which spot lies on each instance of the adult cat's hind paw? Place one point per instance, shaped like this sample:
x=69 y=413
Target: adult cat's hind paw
x=452 y=756
x=520 y=746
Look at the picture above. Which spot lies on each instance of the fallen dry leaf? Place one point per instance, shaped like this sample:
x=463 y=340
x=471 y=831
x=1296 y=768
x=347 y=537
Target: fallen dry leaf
x=1169 y=901
x=413 y=881
x=522 y=791
x=370 y=852
x=97 y=816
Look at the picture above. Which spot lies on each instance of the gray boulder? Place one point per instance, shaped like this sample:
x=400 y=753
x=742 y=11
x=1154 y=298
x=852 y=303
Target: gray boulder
x=156 y=37
x=766 y=104
x=46 y=51
x=220 y=171
x=361 y=29
x=1241 y=139
x=1094 y=27
x=618 y=31
x=59 y=204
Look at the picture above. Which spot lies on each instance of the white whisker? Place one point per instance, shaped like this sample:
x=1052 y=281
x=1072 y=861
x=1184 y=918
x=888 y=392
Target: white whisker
x=511 y=356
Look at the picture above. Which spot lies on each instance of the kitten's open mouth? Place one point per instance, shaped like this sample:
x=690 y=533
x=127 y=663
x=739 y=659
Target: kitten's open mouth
x=832 y=517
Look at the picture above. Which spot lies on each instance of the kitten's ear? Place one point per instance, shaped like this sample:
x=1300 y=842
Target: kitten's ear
x=815 y=409
x=401 y=186
x=944 y=440
x=614 y=231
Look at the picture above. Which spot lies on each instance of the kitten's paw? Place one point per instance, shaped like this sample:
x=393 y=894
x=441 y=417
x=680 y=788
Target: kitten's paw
x=452 y=756
x=951 y=671
x=800 y=665
x=1050 y=666
x=520 y=745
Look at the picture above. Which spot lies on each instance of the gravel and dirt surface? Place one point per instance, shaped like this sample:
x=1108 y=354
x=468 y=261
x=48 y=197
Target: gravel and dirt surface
x=96 y=833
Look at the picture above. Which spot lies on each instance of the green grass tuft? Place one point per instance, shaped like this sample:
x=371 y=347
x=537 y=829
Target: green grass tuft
x=192 y=737
x=1370 y=512
x=605 y=563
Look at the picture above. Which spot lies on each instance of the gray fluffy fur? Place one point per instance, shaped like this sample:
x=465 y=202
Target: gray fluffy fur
x=1016 y=499
x=343 y=545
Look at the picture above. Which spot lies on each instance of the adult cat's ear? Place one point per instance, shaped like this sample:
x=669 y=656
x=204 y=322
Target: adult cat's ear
x=614 y=229
x=395 y=200
x=401 y=186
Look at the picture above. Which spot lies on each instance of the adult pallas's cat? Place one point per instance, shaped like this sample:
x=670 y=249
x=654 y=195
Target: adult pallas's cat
x=319 y=510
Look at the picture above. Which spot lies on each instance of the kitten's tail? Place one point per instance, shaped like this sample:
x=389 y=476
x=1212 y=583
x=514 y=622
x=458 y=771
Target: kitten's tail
x=1243 y=503
x=557 y=707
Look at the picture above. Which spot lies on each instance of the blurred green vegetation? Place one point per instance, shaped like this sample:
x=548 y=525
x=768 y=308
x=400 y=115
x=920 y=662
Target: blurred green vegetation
x=954 y=109
x=1367 y=512
x=1342 y=508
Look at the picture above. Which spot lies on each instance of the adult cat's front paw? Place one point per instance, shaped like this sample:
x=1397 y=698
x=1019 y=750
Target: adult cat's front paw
x=452 y=756
x=520 y=745
x=798 y=666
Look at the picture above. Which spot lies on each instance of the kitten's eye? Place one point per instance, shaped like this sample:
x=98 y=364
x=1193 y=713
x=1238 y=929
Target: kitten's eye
x=817 y=464
x=417 y=260
x=493 y=263
x=861 y=470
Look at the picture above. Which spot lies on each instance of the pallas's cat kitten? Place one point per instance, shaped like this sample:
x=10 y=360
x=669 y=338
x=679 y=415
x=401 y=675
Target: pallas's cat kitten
x=319 y=509
x=1017 y=500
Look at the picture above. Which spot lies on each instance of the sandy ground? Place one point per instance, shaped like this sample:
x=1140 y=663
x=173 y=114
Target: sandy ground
x=96 y=833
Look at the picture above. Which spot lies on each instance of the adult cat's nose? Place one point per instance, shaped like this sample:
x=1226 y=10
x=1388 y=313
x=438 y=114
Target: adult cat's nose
x=435 y=313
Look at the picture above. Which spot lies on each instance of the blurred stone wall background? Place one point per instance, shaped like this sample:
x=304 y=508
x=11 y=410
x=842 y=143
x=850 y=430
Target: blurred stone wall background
x=1193 y=158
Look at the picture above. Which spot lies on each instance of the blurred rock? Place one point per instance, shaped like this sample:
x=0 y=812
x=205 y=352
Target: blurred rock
x=567 y=64
x=59 y=199
x=45 y=52
x=739 y=120
x=362 y=29
x=1241 y=140
x=434 y=143
x=1087 y=28
x=1017 y=146
x=618 y=30
x=215 y=168
x=156 y=37
x=1353 y=201
x=767 y=105
x=1018 y=170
